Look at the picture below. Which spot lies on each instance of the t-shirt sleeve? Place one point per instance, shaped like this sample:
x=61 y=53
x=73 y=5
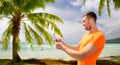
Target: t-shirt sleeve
x=98 y=40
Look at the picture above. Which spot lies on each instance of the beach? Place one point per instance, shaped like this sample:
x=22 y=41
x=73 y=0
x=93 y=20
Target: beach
x=111 y=60
x=47 y=52
x=50 y=55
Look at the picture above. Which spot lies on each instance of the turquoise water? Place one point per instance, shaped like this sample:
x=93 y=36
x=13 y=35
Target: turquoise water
x=45 y=51
x=111 y=50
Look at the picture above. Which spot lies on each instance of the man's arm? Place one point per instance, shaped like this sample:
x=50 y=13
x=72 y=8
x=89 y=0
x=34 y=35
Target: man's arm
x=72 y=47
x=79 y=55
x=69 y=46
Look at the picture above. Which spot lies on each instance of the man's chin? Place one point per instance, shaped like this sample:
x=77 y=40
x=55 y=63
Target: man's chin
x=87 y=29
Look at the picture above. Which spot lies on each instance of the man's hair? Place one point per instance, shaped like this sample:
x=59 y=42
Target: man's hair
x=91 y=14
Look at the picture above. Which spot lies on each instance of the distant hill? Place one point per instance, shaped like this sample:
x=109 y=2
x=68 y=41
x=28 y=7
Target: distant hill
x=116 y=40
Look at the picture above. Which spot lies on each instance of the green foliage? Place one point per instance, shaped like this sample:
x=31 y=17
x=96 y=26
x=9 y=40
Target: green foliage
x=107 y=3
x=116 y=4
x=19 y=9
x=30 y=5
x=39 y=16
x=44 y=33
x=16 y=10
x=41 y=21
x=108 y=7
x=6 y=7
x=33 y=4
x=6 y=35
x=101 y=5
x=4 y=62
x=27 y=34
x=51 y=17
x=99 y=62
x=36 y=36
x=84 y=1
x=45 y=20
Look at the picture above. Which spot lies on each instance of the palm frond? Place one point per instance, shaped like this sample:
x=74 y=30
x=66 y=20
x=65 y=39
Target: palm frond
x=36 y=18
x=44 y=33
x=27 y=34
x=84 y=1
x=49 y=18
x=33 y=4
x=30 y=5
x=19 y=3
x=101 y=5
x=46 y=19
x=108 y=7
x=6 y=36
x=52 y=17
x=1 y=1
x=116 y=4
x=37 y=37
x=6 y=7
x=54 y=27
x=52 y=1
x=45 y=15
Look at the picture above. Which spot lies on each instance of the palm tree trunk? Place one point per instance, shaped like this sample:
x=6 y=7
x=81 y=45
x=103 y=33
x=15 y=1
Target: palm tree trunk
x=15 y=56
x=16 y=28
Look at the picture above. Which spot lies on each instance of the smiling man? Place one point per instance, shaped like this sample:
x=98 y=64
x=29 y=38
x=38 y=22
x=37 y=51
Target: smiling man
x=90 y=46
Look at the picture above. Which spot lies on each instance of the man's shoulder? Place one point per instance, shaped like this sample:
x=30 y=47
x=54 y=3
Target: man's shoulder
x=99 y=34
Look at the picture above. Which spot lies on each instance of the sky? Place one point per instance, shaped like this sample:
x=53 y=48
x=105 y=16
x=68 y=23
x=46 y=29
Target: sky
x=72 y=11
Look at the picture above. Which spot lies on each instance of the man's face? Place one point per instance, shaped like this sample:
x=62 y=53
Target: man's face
x=86 y=23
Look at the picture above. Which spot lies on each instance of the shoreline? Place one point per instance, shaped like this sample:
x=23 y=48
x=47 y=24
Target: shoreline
x=111 y=60
x=67 y=59
x=62 y=60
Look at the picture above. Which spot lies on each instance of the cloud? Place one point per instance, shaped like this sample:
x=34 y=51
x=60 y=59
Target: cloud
x=78 y=20
x=89 y=5
x=72 y=16
x=110 y=25
x=72 y=31
x=77 y=3
x=111 y=30
x=65 y=13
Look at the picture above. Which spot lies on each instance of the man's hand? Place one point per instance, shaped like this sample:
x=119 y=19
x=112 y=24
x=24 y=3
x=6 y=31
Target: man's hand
x=58 y=40
x=59 y=44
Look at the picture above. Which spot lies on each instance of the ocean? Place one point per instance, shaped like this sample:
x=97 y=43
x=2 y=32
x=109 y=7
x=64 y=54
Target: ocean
x=47 y=52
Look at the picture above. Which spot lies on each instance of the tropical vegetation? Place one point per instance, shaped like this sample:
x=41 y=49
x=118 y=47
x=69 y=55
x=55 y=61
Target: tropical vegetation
x=107 y=3
x=36 y=26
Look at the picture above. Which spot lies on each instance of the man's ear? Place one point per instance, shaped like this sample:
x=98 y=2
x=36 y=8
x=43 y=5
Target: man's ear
x=91 y=20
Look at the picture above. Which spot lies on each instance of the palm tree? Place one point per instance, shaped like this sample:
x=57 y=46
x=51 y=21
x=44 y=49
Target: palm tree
x=116 y=4
x=107 y=3
x=35 y=30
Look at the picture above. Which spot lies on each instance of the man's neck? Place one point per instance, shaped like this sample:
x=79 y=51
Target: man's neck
x=93 y=29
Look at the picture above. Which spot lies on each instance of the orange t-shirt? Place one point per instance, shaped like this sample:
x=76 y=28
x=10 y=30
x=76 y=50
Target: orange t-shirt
x=96 y=38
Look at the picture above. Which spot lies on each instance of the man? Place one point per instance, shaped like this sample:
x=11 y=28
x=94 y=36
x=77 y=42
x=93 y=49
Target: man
x=90 y=46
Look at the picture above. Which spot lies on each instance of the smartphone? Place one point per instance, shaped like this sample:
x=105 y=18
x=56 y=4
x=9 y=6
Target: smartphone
x=54 y=37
